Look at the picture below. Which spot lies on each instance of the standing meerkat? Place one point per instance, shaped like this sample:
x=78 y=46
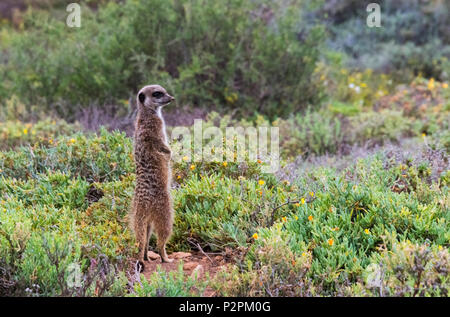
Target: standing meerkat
x=152 y=204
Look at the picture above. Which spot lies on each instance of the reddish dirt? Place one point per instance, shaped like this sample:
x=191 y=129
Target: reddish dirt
x=192 y=261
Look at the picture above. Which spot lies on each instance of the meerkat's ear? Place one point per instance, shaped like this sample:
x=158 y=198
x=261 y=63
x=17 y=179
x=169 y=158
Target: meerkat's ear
x=141 y=97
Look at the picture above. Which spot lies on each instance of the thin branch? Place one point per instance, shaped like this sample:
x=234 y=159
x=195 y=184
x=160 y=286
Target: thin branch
x=197 y=245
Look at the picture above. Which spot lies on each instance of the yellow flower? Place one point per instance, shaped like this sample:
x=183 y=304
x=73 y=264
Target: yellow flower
x=295 y=217
x=366 y=231
x=363 y=85
x=255 y=236
x=261 y=182
x=303 y=201
x=179 y=177
x=310 y=218
x=284 y=219
x=192 y=167
x=224 y=164
x=297 y=205
x=330 y=242
x=444 y=85
x=439 y=247
x=335 y=229
x=25 y=131
x=311 y=194
x=185 y=158
x=431 y=84
x=72 y=141
x=424 y=135
x=303 y=254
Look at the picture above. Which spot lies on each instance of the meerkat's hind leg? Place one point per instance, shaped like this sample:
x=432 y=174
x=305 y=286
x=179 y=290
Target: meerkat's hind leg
x=141 y=239
x=162 y=252
x=149 y=235
x=163 y=235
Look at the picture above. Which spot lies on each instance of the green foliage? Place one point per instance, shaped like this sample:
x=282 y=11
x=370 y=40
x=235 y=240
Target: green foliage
x=412 y=39
x=205 y=53
x=342 y=230
x=14 y=133
x=270 y=269
x=172 y=284
x=311 y=133
x=220 y=211
x=379 y=126
x=103 y=157
x=316 y=236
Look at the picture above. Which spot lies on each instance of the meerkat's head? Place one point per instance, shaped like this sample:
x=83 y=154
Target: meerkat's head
x=153 y=97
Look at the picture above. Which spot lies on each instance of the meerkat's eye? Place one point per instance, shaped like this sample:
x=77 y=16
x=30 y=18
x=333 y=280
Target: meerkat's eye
x=141 y=97
x=157 y=94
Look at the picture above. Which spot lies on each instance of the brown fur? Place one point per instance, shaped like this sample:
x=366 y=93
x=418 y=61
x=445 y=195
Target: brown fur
x=152 y=204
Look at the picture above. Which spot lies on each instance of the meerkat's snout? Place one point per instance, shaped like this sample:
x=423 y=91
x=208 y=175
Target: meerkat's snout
x=171 y=98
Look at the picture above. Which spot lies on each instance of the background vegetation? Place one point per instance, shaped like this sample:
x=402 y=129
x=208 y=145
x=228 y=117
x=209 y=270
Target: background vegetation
x=359 y=207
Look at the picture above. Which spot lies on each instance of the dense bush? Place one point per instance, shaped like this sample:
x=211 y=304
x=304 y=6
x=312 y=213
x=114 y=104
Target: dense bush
x=253 y=58
x=412 y=39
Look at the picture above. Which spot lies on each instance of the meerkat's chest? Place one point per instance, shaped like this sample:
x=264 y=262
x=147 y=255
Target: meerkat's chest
x=163 y=126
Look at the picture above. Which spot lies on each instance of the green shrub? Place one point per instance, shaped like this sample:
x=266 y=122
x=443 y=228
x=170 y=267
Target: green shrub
x=342 y=229
x=103 y=157
x=47 y=225
x=310 y=133
x=219 y=211
x=405 y=269
x=14 y=133
x=225 y=58
x=172 y=284
x=271 y=268
x=379 y=127
x=412 y=39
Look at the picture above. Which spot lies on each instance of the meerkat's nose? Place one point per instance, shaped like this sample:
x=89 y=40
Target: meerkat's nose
x=171 y=98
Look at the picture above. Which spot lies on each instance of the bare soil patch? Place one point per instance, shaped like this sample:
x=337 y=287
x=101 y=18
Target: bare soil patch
x=193 y=262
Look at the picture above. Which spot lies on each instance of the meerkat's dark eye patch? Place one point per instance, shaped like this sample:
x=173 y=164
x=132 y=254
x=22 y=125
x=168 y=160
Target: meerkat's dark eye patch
x=157 y=94
x=141 y=97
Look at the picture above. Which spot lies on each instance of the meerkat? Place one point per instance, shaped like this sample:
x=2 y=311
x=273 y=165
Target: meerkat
x=152 y=205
